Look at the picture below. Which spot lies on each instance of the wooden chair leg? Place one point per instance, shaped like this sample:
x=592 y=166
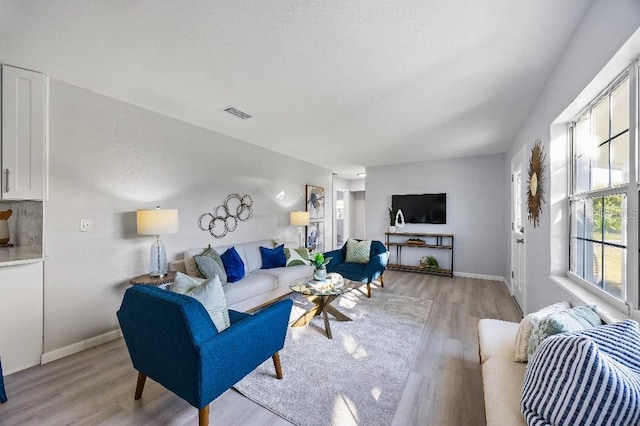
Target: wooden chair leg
x=276 y=363
x=203 y=416
x=369 y=290
x=381 y=281
x=140 y=385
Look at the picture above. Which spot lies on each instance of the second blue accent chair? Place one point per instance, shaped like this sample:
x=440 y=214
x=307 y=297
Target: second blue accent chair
x=362 y=272
x=172 y=340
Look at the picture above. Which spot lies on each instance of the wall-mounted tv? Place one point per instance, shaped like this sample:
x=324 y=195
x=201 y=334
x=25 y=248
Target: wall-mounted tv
x=421 y=208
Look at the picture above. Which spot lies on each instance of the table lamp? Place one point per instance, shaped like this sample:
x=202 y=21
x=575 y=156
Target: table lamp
x=157 y=222
x=300 y=219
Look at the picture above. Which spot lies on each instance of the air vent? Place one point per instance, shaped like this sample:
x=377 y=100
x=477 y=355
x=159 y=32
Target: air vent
x=234 y=111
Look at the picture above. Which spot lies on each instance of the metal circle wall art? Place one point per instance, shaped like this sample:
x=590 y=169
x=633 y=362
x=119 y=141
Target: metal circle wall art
x=225 y=217
x=535 y=189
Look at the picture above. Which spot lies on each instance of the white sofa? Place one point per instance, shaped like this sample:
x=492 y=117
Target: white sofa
x=259 y=286
x=502 y=377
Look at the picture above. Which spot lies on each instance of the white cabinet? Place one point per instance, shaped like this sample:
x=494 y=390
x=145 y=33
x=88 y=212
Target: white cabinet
x=24 y=134
x=21 y=316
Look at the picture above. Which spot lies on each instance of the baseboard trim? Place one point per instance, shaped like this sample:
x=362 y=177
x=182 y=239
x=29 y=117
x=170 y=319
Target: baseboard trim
x=480 y=276
x=80 y=346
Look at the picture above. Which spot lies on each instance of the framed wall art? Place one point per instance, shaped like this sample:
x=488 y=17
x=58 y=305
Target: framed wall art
x=315 y=201
x=315 y=237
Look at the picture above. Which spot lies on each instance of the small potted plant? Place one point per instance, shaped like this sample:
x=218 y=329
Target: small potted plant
x=320 y=264
x=392 y=220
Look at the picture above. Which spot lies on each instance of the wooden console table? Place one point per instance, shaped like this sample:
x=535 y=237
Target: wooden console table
x=399 y=240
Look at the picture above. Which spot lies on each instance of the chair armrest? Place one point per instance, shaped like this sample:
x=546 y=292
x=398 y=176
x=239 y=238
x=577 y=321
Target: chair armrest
x=377 y=264
x=336 y=258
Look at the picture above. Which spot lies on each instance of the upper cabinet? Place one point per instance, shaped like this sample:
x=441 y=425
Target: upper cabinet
x=24 y=134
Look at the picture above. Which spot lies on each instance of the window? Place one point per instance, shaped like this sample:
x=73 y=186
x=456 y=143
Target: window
x=598 y=192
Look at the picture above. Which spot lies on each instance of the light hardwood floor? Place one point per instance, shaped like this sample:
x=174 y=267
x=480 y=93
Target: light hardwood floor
x=444 y=387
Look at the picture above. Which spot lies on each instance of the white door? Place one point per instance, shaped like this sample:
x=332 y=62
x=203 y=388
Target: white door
x=517 y=234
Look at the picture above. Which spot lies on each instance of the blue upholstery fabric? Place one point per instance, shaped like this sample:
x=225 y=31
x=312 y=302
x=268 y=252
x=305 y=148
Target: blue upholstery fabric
x=367 y=272
x=233 y=265
x=273 y=258
x=172 y=340
x=3 y=395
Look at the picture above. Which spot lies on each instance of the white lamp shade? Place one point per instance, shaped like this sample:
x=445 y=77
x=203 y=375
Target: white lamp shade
x=157 y=221
x=299 y=218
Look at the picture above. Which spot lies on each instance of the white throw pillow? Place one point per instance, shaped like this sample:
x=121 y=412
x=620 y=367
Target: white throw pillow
x=526 y=327
x=209 y=292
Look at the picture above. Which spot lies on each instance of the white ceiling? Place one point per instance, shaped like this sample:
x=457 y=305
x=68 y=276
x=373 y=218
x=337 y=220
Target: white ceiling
x=342 y=84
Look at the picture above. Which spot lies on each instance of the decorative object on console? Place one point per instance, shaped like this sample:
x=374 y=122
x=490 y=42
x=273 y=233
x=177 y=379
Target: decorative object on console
x=320 y=264
x=416 y=242
x=157 y=222
x=315 y=202
x=225 y=217
x=535 y=188
x=399 y=219
x=315 y=237
x=299 y=219
x=4 y=226
x=429 y=263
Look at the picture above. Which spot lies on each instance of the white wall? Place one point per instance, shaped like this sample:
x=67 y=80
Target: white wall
x=358 y=215
x=604 y=29
x=477 y=207
x=109 y=158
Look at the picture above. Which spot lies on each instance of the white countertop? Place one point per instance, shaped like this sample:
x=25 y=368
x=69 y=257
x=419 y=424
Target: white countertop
x=10 y=256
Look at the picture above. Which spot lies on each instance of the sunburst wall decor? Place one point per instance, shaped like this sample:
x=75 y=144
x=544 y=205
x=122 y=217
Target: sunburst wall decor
x=535 y=186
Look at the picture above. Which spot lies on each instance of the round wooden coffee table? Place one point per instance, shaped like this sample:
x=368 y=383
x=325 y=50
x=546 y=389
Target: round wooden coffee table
x=322 y=294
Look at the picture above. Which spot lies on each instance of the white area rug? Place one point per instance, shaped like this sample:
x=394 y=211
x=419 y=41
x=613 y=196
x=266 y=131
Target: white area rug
x=354 y=379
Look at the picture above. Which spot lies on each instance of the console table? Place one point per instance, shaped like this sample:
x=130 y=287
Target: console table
x=400 y=240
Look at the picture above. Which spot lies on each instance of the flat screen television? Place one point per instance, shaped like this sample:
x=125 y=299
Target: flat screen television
x=421 y=208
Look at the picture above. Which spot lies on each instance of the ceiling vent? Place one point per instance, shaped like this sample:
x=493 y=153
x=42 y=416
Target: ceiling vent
x=234 y=111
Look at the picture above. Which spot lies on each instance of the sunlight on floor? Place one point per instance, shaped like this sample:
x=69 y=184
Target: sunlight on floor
x=344 y=411
x=353 y=347
x=375 y=393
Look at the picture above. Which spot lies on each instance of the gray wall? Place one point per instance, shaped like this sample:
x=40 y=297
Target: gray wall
x=477 y=207
x=603 y=31
x=109 y=158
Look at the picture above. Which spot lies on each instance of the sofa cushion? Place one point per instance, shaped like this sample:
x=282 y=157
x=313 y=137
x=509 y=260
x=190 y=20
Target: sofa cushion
x=250 y=253
x=587 y=377
x=358 y=251
x=250 y=286
x=570 y=320
x=355 y=271
x=295 y=257
x=273 y=257
x=209 y=292
x=209 y=268
x=526 y=327
x=287 y=275
x=502 y=383
x=496 y=338
x=233 y=265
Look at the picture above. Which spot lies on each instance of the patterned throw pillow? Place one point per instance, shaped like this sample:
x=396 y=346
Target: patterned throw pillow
x=210 y=268
x=295 y=257
x=209 y=292
x=585 y=378
x=526 y=327
x=358 y=251
x=233 y=265
x=571 y=320
x=213 y=254
x=273 y=257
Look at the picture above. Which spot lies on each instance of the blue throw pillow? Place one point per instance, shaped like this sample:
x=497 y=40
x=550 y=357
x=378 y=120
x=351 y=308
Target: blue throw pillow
x=233 y=265
x=273 y=258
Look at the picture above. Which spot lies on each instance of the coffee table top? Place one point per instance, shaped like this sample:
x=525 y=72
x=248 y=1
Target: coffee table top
x=334 y=285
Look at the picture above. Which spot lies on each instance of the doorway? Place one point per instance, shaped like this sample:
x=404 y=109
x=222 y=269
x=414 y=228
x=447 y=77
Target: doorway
x=517 y=233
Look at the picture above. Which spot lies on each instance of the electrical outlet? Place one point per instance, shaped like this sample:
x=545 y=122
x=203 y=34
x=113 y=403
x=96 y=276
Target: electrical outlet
x=85 y=224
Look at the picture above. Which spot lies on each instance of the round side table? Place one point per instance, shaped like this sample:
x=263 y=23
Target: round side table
x=148 y=280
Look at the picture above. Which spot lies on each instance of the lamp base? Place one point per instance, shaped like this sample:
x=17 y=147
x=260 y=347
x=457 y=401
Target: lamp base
x=158 y=260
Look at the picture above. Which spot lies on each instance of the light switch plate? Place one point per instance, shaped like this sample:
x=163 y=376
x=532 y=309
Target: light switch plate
x=85 y=224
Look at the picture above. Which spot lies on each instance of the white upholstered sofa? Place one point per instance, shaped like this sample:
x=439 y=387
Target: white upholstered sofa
x=502 y=377
x=258 y=286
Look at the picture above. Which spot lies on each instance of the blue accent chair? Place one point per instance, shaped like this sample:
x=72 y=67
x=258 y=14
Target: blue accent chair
x=3 y=395
x=172 y=340
x=363 y=272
